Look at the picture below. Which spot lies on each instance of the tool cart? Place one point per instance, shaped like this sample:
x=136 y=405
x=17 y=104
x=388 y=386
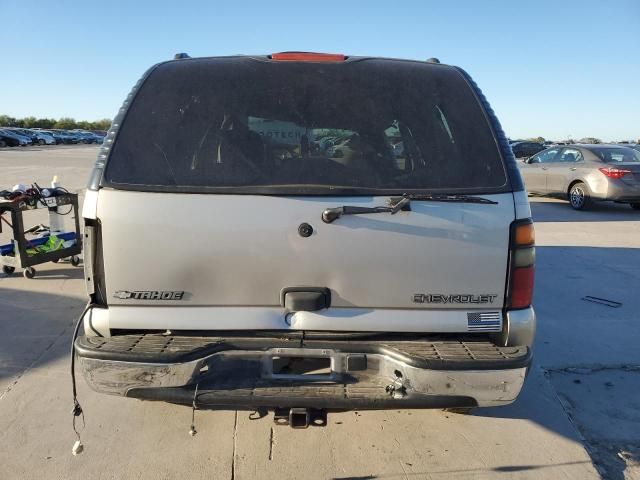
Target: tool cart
x=39 y=244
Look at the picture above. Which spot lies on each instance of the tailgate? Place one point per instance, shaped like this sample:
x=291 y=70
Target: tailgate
x=242 y=250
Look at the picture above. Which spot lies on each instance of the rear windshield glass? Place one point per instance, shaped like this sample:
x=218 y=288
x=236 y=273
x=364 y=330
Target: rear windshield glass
x=616 y=154
x=249 y=125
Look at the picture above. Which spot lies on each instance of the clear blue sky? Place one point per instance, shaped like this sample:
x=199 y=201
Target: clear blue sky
x=550 y=68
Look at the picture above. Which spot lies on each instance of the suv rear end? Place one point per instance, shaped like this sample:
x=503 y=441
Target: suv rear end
x=235 y=261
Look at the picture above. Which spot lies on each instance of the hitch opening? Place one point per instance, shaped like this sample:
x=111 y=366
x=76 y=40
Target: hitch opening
x=300 y=417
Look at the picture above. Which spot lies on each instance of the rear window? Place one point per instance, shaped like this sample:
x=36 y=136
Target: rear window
x=243 y=125
x=616 y=154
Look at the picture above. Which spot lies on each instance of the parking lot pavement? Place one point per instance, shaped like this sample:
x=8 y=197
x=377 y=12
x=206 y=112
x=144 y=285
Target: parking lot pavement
x=72 y=163
x=580 y=401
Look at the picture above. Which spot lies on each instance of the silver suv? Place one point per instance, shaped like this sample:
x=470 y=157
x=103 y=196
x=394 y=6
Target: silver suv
x=307 y=232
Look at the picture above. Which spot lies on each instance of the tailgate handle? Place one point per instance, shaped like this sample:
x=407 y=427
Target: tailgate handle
x=305 y=299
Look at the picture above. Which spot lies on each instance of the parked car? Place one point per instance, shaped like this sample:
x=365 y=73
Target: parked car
x=14 y=139
x=24 y=133
x=75 y=136
x=99 y=137
x=65 y=136
x=48 y=138
x=312 y=283
x=32 y=139
x=87 y=137
x=43 y=138
x=584 y=174
x=526 y=149
x=37 y=137
x=58 y=137
x=7 y=139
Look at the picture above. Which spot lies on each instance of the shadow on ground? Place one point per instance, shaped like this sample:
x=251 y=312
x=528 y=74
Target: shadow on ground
x=586 y=356
x=32 y=322
x=462 y=471
x=59 y=273
x=560 y=211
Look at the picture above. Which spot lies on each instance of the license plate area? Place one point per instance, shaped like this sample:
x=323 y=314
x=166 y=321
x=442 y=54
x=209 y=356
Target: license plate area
x=311 y=366
x=300 y=364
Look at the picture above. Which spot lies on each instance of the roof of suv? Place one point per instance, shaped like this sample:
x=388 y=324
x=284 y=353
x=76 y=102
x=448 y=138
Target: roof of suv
x=311 y=57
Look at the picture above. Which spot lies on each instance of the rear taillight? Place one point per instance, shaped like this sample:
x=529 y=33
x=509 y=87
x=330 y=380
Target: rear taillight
x=307 y=57
x=612 y=172
x=521 y=265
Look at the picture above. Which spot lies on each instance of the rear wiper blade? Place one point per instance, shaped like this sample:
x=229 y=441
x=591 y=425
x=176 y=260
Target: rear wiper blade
x=445 y=197
x=331 y=214
x=400 y=203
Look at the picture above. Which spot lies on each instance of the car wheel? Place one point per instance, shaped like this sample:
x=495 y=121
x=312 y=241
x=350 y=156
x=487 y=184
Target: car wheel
x=41 y=142
x=579 y=197
x=2 y=144
x=635 y=206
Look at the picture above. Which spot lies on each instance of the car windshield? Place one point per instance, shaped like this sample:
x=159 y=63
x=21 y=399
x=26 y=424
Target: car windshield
x=617 y=154
x=289 y=127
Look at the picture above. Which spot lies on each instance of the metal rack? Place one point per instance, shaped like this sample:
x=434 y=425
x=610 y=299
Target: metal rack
x=15 y=255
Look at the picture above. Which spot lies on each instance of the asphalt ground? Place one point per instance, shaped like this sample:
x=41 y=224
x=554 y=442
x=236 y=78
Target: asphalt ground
x=578 y=416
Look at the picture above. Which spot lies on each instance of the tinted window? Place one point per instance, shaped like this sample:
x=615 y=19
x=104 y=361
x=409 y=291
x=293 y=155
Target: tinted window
x=616 y=154
x=247 y=125
x=570 y=155
x=545 y=157
x=526 y=149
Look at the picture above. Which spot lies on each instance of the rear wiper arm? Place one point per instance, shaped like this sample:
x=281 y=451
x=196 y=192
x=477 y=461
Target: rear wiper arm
x=331 y=214
x=399 y=203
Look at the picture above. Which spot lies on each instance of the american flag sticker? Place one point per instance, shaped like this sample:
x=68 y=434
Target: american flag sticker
x=484 y=321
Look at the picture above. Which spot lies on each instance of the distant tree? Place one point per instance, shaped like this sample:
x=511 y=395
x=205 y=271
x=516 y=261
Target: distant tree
x=590 y=140
x=45 y=122
x=29 y=122
x=103 y=124
x=65 y=123
x=6 y=121
x=536 y=139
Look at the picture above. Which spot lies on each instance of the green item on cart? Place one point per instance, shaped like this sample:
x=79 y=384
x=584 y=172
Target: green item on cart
x=52 y=244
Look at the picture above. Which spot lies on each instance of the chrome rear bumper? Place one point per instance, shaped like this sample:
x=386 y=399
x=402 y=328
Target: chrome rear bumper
x=360 y=374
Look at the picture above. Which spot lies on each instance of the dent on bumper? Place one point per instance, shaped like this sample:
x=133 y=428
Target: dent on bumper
x=244 y=379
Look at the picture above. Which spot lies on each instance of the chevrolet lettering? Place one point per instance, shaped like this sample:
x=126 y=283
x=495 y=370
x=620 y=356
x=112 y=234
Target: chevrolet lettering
x=458 y=298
